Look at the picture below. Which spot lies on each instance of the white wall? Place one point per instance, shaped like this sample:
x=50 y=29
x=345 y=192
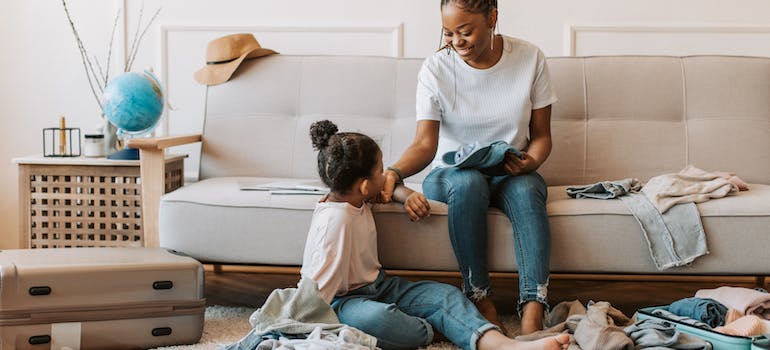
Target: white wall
x=41 y=75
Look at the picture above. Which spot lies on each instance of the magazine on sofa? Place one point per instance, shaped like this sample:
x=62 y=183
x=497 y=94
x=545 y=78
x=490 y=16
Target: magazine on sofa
x=285 y=187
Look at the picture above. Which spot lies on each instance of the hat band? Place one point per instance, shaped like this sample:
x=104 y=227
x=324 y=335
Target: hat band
x=220 y=62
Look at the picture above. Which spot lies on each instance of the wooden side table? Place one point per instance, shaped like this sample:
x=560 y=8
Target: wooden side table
x=85 y=202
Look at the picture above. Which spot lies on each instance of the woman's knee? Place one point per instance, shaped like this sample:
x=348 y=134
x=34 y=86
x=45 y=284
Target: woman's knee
x=525 y=186
x=446 y=183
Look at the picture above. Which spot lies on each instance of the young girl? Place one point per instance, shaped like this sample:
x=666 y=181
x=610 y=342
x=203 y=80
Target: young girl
x=341 y=257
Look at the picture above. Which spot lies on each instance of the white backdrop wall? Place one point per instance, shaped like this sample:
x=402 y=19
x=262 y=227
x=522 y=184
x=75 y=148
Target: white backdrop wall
x=41 y=74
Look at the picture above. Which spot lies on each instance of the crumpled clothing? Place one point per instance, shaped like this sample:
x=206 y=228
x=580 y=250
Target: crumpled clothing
x=683 y=319
x=296 y=311
x=605 y=189
x=593 y=328
x=745 y=300
x=652 y=333
x=690 y=185
x=317 y=340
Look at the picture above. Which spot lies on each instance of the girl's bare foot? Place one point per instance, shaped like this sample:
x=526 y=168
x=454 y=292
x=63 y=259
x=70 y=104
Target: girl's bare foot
x=495 y=340
x=532 y=317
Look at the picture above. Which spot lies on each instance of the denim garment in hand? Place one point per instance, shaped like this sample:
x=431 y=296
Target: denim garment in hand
x=488 y=158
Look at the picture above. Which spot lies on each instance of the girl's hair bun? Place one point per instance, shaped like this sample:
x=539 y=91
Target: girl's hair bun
x=321 y=132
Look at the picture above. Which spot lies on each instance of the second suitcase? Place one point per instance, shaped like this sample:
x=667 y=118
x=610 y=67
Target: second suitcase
x=99 y=298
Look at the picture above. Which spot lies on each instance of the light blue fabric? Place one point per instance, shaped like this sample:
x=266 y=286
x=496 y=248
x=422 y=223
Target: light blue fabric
x=486 y=157
x=295 y=311
x=605 y=189
x=675 y=238
x=402 y=314
x=469 y=194
x=656 y=334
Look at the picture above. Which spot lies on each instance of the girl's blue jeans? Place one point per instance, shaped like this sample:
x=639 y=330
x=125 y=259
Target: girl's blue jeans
x=402 y=314
x=468 y=194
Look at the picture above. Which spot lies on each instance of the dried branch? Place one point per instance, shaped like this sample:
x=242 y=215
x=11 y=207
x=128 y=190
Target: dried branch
x=83 y=57
x=99 y=77
x=109 y=48
x=139 y=41
x=126 y=66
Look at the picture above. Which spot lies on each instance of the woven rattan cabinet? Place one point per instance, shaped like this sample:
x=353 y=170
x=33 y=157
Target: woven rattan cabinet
x=85 y=202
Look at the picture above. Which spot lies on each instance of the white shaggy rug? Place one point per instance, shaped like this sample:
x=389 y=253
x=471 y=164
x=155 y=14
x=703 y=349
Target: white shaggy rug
x=225 y=325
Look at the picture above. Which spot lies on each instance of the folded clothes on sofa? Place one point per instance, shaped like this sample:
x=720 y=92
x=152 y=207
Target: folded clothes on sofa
x=675 y=238
x=605 y=189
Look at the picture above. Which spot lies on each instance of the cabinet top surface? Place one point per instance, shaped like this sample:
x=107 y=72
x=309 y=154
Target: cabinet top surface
x=39 y=159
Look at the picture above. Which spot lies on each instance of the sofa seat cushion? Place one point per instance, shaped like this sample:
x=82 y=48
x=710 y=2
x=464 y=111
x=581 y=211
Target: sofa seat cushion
x=214 y=221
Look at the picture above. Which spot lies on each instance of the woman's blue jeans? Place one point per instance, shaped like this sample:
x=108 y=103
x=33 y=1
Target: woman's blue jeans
x=468 y=194
x=402 y=314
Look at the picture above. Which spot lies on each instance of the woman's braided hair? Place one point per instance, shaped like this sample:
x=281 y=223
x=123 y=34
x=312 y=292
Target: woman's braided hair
x=473 y=6
x=343 y=157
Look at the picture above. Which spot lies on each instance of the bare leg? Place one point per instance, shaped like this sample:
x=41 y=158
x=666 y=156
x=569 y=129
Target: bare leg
x=487 y=309
x=495 y=340
x=531 y=317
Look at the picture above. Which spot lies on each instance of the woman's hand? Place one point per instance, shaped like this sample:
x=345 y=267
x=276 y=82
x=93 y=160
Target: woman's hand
x=417 y=206
x=517 y=166
x=386 y=195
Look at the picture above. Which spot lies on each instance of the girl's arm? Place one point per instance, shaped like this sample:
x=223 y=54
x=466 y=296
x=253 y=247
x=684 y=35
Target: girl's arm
x=415 y=203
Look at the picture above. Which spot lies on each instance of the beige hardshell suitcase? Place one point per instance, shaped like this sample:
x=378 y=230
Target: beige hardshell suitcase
x=99 y=298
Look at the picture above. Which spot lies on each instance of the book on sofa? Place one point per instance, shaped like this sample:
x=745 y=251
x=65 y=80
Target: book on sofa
x=284 y=187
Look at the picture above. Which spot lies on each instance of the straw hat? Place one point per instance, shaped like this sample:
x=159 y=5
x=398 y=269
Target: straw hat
x=225 y=54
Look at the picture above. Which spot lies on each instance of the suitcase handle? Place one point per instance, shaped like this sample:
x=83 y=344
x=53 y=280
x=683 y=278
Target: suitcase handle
x=39 y=290
x=39 y=339
x=162 y=285
x=157 y=332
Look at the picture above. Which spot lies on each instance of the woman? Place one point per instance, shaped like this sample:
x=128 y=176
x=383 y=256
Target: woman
x=483 y=87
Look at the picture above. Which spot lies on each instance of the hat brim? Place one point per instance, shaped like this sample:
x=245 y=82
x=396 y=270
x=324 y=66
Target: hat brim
x=215 y=74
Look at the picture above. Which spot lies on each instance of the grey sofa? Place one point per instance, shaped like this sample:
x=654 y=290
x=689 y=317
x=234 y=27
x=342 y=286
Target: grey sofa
x=616 y=117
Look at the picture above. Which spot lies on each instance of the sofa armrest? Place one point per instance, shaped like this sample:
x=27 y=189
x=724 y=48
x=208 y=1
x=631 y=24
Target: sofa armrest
x=152 y=172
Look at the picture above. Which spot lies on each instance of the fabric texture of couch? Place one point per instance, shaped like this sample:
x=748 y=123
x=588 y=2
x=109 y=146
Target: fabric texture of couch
x=617 y=117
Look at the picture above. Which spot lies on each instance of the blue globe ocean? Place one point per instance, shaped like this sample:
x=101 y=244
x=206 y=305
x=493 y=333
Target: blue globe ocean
x=133 y=102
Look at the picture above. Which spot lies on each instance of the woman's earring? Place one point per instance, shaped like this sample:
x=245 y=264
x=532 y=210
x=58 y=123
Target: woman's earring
x=492 y=31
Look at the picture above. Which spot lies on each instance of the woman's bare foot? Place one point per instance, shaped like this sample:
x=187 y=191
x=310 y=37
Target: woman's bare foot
x=495 y=340
x=532 y=317
x=487 y=309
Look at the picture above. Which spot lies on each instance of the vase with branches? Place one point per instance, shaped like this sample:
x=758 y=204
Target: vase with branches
x=98 y=72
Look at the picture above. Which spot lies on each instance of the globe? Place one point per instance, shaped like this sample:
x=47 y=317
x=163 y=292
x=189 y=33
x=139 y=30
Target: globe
x=133 y=102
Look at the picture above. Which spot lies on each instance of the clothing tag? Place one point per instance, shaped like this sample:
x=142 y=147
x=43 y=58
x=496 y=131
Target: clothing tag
x=65 y=336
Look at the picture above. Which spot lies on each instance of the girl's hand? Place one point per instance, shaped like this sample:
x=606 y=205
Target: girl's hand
x=417 y=206
x=517 y=166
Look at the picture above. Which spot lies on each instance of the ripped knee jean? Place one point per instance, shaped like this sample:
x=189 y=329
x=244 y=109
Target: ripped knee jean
x=469 y=194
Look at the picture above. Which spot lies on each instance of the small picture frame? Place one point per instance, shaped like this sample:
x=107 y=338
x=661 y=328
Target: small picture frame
x=61 y=142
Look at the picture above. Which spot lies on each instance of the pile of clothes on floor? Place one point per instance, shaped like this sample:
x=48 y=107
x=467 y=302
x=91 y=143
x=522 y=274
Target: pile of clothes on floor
x=727 y=310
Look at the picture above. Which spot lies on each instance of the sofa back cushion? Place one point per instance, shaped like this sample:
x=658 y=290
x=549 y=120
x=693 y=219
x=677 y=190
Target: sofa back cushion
x=617 y=116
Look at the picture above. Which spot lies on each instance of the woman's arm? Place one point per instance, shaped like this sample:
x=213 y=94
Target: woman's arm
x=416 y=157
x=539 y=145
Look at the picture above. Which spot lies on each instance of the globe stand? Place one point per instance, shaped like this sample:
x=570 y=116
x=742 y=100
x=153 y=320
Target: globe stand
x=125 y=154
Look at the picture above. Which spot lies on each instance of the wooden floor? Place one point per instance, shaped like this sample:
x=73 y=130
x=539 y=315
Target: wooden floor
x=250 y=287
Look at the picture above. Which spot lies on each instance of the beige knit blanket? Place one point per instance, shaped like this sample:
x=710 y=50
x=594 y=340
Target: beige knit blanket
x=689 y=185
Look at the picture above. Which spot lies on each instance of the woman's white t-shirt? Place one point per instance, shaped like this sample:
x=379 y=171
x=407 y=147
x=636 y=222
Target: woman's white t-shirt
x=484 y=105
x=341 y=248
